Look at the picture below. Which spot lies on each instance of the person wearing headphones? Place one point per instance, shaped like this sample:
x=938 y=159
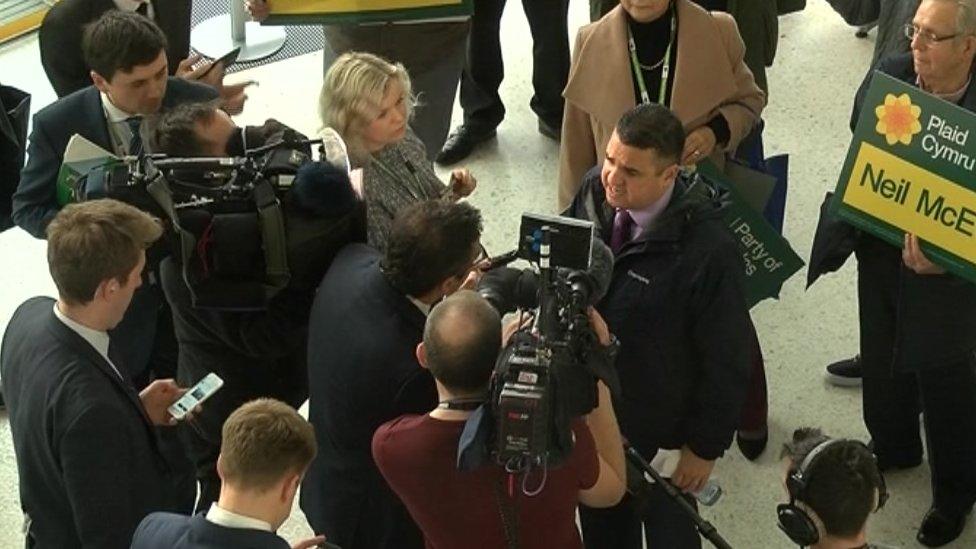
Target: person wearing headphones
x=834 y=485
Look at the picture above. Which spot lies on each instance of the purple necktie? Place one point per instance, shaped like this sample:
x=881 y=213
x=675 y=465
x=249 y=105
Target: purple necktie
x=623 y=227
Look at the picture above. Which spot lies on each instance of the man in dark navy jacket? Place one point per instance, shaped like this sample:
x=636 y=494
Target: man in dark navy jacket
x=127 y=53
x=88 y=457
x=266 y=448
x=676 y=303
x=366 y=321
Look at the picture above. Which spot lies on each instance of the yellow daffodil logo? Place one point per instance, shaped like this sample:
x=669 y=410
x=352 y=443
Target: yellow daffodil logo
x=898 y=119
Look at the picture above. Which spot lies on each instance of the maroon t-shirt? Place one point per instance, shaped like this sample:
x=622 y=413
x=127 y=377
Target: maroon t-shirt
x=457 y=509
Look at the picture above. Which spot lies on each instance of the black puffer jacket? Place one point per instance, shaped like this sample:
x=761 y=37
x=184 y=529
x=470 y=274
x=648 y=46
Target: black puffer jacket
x=676 y=303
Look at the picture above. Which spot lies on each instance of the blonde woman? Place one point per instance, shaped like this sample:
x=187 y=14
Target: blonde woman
x=368 y=101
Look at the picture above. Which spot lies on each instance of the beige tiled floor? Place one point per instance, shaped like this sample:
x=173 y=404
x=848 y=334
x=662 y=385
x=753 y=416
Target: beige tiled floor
x=818 y=66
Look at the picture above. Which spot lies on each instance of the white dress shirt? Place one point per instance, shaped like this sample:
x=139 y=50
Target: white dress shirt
x=97 y=339
x=119 y=129
x=228 y=519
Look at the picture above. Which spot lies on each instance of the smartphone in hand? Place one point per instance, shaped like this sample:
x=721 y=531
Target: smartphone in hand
x=226 y=60
x=197 y=394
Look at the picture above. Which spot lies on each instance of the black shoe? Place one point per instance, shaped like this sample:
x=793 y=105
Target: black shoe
x=752 y=446
x=939 y=529
x=845 y=373
x=550 y=131
x=461 y=143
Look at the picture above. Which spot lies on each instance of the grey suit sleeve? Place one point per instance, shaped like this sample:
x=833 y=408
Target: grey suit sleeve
x=857 y=12
x=35 y=201
x=95 y=472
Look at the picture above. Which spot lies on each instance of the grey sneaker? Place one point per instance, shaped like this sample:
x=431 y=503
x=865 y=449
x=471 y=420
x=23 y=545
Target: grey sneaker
x=845 y=373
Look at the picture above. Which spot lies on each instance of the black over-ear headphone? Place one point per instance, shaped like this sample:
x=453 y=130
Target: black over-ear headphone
x=795 y=521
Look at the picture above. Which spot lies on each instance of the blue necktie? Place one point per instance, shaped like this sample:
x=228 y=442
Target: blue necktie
x=135 y=143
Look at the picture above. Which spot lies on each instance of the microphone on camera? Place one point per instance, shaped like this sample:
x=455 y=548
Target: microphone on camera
x=323 y=189
x=597 y=277
x=507 y=289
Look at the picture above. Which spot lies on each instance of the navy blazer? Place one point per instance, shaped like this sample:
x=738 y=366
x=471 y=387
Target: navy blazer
x=362 y=372
x=88 y=458
x=35 y=201
x=61 y=33
x=172 y=531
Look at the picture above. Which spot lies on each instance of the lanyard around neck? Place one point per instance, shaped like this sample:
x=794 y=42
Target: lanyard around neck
x=665 y=67
x=394 y=178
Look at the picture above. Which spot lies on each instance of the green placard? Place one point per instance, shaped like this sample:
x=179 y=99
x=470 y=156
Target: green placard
x=768 y=258
x=910 y=168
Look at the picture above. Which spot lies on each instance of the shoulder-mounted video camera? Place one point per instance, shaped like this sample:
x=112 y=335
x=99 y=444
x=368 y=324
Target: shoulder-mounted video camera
x=547 y=375
x=225 y=223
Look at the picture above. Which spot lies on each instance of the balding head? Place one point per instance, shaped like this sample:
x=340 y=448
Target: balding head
x=462 y=339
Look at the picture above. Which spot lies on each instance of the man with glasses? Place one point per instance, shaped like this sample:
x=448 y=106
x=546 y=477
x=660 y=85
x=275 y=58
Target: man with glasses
x=367 y=318
x=918 y=323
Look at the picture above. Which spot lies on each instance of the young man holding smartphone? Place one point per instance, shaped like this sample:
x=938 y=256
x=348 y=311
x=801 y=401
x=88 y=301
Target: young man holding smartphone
x=88 y=455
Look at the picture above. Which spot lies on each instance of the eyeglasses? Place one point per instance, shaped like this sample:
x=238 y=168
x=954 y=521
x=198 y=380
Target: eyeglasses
x=924 y=36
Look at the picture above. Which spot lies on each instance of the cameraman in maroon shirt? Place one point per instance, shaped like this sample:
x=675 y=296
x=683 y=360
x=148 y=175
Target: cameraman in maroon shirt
x=417 y=454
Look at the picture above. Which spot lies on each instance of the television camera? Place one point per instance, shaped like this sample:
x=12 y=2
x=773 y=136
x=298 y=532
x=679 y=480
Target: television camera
x=225 y=217
x=547 y=375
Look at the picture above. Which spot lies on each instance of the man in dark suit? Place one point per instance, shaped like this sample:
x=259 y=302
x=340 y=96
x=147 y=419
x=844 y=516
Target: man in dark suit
x=366 y=321
x=88 y=457
x=266 y=448
x=923 y=361
x=127 y=55
x=60 y=36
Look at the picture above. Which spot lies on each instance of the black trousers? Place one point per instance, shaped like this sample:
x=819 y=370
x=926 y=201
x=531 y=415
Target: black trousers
x=666 y=526
x=485 y=70
x=894 y=396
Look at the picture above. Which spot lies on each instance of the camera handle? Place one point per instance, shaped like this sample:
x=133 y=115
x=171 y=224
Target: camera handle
x=705 y=528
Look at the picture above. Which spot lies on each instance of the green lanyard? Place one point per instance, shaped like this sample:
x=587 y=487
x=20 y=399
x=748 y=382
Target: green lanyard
x=665 y=68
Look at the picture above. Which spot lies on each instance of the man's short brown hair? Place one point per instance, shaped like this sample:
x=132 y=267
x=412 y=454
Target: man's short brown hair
x=94 y=241
x=263 y=441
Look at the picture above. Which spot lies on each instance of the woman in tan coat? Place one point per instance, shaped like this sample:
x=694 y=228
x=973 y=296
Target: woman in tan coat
x=707 y=84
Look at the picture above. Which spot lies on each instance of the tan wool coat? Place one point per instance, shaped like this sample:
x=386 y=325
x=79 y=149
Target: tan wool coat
x=710 y=78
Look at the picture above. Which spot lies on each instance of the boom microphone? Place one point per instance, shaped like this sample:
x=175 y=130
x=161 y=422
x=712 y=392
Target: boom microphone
x=323 y=189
